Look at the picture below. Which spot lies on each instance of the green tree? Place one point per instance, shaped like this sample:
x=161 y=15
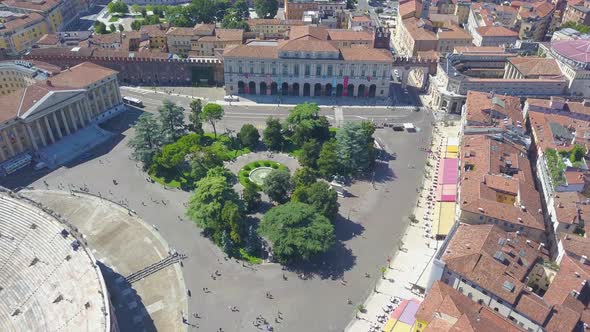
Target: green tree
x=121 y=28
x=204 y=11
x=136 y=8
x=100 y=28
x=212 y=206
x=143 y=12
x=273 y=134
x=112 y=28
x=232 y=20
x=249 y=136
x=146 y=139
x=251 y=197
x=328 y=162
x=202 y=160
x=350 y=4
x=277 y=185
x=304 y=123
x=136 y=25
x=223 y=172
x=321 y=196
x=212 y=113
x=252 y=241
x=173 y=156
x=304 y=176
x=577 y=153
x=355 y=147
x=172 y=121
x=297 y=232
x=310 y=152
x=196 y=124
x=232 y=216
x=227 y=244
x=118 y=7
x=266 y=8
x=242 y=9
x=576 y=26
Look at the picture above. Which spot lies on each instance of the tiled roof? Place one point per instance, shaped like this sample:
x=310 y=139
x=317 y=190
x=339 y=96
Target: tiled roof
x=538 y=9
x=492 y=258
x=445 y=309
x=570 y=207
x=107 y=38
x=453 y=32
x=154 y=30
x=264 y=21
x=536 y=66
x=308 y=32
x=576 y=245
x=41 y=6
x=487 y=109
x=365 y=54
x=21 y=21
x=179 y=31
x=204 y=29
x=250 y=51
x=533 y=307
x=229 y=34
x=361 y=19
x=485 y=157
x=418 y=33
x=81 y=76
x=345 y=34
x=541 y=115
x=563 y=319
x=496 y=31
x=311 y=45
x=407 y=9
x=572 y=276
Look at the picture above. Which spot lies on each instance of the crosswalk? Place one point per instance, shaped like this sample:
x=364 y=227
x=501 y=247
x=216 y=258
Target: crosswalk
x=137 y=90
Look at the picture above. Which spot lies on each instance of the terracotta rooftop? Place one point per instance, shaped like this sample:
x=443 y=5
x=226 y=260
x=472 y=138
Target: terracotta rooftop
x=179 y=31
x=496 y=260
x=543 y=114
x=204 y=29
x=407 y=9
x=538 y=9
x=308 y=32
x=264 y=21
x=108 y=38
x=312 y=45
x=77 y=77
x=453 y=32
x=570 y=207
x=576 y=246
x=365 y=54
x=533 y=307
x=225 y=35
x=536 y=66
x=23 y=21
x=496 y=31
x=486 y=109
x=417 y=32
x=251 y=51
x=345 y=34
x=39 y=6
x=445 y=309
x=361 y=19
x=154 y=30
x=572 y=276
x=482 y=157
x=48 y=39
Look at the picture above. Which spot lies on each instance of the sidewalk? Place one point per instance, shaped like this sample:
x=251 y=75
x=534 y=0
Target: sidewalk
x=409 y=269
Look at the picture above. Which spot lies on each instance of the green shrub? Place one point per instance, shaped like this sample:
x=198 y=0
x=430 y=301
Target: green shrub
x=247 y=168
x=266 y=163
x=256 y=164
x=275 y=166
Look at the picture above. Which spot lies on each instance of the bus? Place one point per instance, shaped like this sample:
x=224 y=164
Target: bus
x=132 y=101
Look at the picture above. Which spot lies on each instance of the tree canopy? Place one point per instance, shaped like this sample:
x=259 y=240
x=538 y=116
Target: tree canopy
x=196 y=124
x=266 y=8
x=319 y=195
x=305 y=123
x=249 y=136
x=172 y=121
x=310 y=152
x=273 y=134
x=212 y=113
x=216 y=208
x=297 y=232
x=328 y=163
x=118 y=7
x=147 y=138
x=277 y=185
x=304 y=176
x=355 y=147
x=233 y=20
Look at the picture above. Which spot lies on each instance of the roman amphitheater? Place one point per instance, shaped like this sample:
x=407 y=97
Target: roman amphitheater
x=49 y=280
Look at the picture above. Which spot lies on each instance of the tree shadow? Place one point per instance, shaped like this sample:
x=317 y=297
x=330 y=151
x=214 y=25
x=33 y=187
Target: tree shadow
x=346 y=229
x=383 y=172
x=332 y=264
x=131 y=314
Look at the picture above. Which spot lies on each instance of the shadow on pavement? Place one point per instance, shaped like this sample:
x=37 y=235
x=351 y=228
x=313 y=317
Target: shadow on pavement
x=131 y=313
x=330 y=265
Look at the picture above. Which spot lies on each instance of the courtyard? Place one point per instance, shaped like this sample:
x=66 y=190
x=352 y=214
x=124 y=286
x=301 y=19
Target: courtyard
x=372 y=220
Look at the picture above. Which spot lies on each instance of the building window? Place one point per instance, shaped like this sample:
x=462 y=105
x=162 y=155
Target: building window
x=307 y=69
x=251 y=69
x=262 y=70
x=340 y=70
x=296 y=70
x=330 y=70
x=274 y=70
x=285 y=69
x=239 y=69
x=318 y=70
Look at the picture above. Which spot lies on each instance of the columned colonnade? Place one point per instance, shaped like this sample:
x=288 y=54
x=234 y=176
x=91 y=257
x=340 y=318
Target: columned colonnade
x=37 y=132
x=309 y=89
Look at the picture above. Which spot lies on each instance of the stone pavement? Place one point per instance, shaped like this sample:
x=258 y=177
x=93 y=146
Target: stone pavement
x=123 y=244
x=412 y=263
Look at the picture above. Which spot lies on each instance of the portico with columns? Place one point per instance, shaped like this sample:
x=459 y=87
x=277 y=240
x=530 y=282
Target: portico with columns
x=60 y=112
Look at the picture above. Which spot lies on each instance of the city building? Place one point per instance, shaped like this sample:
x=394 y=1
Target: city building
x=361 y=22
x=493 y=36
x=446 y=309
x=294 y=9
x=577 y=13
x=531 y=68
x=64 y=39
x=20 y=31
x=17 y=74
x=573 y=58
x=483 y=14
x=533 y=19
x=516 y=278
x=416 y=35
x=36 y=116
x=156 y=35
x=568 y=34
x=269 y=28
x=484 y=71
x=308 y=64
x=55 y=12
x=208 y=39
x=497 y=187
x=489 y=110
x=556 y=126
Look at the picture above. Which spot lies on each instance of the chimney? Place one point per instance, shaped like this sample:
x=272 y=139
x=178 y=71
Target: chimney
x=586 y=102
x=49 y=83
x=541 y=245
x=583 y=259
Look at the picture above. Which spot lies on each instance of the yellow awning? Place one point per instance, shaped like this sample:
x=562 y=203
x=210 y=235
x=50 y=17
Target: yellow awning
x=444 y=213
x=452 y=148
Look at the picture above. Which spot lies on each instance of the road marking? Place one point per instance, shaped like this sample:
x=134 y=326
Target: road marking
x=338 y=116
x=362 y=117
